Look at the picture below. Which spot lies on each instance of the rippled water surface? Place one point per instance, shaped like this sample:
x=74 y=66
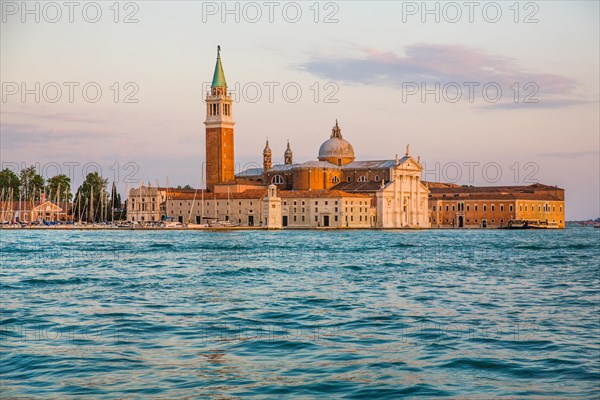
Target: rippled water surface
x=380 y=314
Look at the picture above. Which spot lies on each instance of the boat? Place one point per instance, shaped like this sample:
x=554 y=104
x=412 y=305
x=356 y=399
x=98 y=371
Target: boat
x=530 y=224
x=175 y=225
x=222 y=224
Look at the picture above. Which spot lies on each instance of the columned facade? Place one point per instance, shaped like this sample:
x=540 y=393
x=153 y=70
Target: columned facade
x=402 y=203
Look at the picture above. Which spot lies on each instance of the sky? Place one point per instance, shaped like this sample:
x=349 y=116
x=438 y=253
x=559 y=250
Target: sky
x=490 y=93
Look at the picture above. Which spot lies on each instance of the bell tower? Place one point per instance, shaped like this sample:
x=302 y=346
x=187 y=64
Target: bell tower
x=219 y=130
x=287 y=156
x=267 y=157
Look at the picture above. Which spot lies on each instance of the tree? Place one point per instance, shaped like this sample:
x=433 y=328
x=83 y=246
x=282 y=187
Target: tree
x=59 y=182
x=91 y=200
x=32 y=183
x=115 y=203
x=115 y=197
x=9 y=183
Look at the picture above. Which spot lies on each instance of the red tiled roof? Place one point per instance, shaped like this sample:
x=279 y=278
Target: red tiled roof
x=318 y=194
x=497 y=196
x=259 y=194
x=490 y=189
x=187 y=194
x=365 y=187
x=15 y=205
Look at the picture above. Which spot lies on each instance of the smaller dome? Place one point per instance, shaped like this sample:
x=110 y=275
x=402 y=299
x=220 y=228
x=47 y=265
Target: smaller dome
x=288 y=151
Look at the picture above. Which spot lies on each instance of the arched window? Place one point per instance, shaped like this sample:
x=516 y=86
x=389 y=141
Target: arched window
x=336 y=179
x=277 y=180
x=362 y=179
x=376 y=178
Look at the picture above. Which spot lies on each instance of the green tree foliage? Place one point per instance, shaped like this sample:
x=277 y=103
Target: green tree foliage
x=91 y=199
x=32 y=184
x=115 y=197
x=59 y=182
x=9 y=184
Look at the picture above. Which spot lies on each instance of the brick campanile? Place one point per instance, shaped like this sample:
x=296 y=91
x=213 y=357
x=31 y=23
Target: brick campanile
x=219 y=130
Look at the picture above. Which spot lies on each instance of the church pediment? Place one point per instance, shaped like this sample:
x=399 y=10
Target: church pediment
x=408 y=163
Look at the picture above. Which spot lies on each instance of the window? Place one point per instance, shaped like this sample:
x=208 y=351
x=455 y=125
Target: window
x=510 y=207
x=476 y=209
x=376 y=178
x=277 y=180
x=294 y=218
x=362 y=179
x=501 y=207
x=303 y=218
x=316 y=209
x=485 y=207
x=348 y=179
x=335 y=218
x=336 y=209
x=325 y=202
x=446 y=208
x=316 y=218
x=335 y=179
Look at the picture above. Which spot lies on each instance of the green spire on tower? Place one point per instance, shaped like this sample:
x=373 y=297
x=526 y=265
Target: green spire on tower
x=219 y=75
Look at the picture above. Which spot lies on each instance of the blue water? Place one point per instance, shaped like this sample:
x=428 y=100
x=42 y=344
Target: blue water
x=329 y=314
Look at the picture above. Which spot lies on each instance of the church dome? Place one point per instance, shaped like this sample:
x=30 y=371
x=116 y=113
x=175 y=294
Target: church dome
x=336 y=149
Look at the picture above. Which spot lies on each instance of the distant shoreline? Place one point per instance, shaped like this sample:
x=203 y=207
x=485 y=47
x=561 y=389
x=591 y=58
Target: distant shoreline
x=259 y=228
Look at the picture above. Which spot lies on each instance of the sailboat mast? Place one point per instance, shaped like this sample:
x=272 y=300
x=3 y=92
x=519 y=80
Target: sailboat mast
x=90 y=211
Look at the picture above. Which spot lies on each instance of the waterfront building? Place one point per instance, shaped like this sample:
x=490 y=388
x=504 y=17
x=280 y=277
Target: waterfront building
x=271 y=208
x=335 y=190
x=453 y=206
x=144 y=203
x=32 y=211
